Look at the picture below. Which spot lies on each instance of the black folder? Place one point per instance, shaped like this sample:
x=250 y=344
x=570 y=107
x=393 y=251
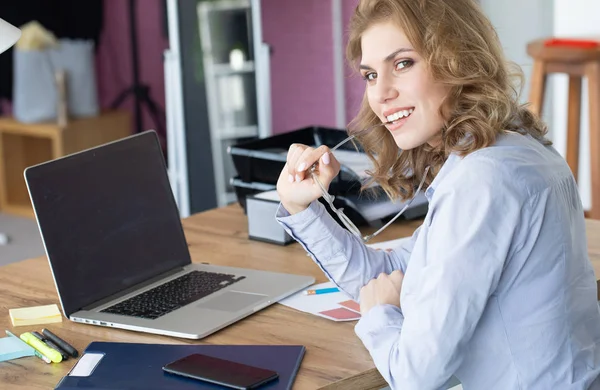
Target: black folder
x=105 y=365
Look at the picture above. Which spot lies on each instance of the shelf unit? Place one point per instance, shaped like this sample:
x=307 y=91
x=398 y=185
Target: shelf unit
x=25 y=144
x=227 y=69
x=226 y=37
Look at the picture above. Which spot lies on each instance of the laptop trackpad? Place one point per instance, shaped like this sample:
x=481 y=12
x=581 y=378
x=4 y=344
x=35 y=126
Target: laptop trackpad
x=232 y=301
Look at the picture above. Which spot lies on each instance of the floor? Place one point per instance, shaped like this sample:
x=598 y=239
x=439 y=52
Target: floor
x=24 y=241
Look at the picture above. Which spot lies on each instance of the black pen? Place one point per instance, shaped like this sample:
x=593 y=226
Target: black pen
x=60 y=342
x=52 y=345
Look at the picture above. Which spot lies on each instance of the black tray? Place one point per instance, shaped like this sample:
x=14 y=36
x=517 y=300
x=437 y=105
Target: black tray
x=262 y=160
x=244 y=189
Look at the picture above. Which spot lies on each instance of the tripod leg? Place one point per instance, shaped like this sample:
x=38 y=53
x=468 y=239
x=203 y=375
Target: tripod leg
x=155 y=114
x=121 y=98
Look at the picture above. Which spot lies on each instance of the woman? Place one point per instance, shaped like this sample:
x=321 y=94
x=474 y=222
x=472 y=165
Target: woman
x=495 y=287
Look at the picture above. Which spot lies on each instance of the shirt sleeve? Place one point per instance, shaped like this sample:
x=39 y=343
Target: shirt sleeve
x=469 y=240
x=344 y=258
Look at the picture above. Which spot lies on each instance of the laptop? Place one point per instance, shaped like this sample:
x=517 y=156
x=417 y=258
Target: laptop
x=117 y=250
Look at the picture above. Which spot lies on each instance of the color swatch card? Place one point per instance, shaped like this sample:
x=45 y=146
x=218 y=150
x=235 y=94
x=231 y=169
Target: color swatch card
x=333 y=306
x=350 y=304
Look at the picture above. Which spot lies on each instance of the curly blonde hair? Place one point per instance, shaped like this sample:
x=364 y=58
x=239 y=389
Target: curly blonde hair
x=462 y=51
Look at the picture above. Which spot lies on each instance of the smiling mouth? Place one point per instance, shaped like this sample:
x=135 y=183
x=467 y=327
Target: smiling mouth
x=402 y=114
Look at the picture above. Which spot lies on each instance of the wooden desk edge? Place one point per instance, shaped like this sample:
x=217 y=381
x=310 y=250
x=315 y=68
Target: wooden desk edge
x=368 y=380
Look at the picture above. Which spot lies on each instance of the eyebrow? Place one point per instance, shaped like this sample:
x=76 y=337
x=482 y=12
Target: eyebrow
x=388 y=58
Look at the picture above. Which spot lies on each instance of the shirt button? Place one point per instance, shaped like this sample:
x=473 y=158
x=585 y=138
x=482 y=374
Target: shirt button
x=429 y=192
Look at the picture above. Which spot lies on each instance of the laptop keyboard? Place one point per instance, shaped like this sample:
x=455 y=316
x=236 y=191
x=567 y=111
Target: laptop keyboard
x=174 y=294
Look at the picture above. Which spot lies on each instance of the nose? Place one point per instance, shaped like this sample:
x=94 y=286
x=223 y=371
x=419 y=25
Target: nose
x=385 y=89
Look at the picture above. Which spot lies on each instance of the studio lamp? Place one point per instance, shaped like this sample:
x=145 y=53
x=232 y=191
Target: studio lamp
x=9 y=34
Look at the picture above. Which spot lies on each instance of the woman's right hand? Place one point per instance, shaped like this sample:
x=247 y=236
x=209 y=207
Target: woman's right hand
x=295 y=185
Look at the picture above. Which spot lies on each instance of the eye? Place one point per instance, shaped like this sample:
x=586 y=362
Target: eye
x=403 y=64
x=370 y=76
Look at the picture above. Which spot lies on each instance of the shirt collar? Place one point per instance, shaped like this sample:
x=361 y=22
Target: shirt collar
x=447 y=167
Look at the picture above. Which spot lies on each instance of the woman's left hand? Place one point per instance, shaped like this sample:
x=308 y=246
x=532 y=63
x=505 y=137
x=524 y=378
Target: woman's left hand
x=383 y=290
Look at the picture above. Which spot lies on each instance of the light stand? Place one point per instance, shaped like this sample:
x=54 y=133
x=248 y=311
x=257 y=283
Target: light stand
x=141 y=92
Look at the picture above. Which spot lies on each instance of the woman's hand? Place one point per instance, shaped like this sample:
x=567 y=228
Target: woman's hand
x=295 y=186
x=383 y=290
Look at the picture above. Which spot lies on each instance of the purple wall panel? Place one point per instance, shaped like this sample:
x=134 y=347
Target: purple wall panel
x=302 y=85
x=354 y=85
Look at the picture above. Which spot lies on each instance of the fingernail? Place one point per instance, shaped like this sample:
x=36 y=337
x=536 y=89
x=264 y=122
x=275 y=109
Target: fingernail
x=325 y=158
x=301 y=167
x=290 y=178
x=298 y=178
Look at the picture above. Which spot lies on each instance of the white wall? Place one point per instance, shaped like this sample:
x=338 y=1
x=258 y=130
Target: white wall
x=574 y=18
x=520 y=21
x=517 y=23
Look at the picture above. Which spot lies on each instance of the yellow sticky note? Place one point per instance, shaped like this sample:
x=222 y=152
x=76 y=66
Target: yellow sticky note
x=47 y=314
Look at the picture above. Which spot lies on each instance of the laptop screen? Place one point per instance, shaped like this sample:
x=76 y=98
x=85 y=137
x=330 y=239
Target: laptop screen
x=108 y=219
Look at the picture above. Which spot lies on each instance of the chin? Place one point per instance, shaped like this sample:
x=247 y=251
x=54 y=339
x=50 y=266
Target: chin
x=406 y=142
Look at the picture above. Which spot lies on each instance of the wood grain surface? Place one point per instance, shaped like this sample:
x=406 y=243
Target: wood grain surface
x=335 y=358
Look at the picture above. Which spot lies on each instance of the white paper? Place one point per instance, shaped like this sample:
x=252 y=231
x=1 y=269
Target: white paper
x=380 y=207
x=389 y=244
x=358 y=162
x=268 y=195
x=315 y=304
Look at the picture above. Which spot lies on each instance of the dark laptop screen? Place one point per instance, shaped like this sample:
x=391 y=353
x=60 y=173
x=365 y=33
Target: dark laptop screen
x=108 y=219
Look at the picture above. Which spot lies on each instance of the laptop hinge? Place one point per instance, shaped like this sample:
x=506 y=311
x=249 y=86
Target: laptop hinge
x=137 y=287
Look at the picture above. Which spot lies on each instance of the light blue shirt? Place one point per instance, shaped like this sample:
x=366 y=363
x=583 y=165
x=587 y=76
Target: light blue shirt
x=498 y=288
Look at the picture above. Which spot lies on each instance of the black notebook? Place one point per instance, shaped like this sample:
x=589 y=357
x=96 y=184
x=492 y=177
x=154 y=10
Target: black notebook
x=132 y=366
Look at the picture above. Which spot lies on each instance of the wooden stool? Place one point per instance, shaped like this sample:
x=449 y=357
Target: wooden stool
x=576 y=62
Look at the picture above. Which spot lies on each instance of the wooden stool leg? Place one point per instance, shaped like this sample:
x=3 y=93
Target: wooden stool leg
x=593 y=76
x=573 y=124
x=538 y=87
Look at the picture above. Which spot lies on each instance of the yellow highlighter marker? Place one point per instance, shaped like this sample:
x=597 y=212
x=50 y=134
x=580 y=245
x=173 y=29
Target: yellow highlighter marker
x=45 y=350
x=35 y=351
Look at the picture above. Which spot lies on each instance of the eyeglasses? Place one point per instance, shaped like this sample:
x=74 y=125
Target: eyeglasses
x=340 y=212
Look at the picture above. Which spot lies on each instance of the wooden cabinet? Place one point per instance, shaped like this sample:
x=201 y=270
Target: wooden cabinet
x=23 y=145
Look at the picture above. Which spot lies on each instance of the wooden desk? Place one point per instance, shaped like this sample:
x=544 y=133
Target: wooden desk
x=335 y=358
